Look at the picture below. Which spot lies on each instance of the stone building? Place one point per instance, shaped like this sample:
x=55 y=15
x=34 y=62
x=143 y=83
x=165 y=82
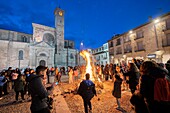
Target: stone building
x=101 y=55
x=150 y=41
x=46 y=46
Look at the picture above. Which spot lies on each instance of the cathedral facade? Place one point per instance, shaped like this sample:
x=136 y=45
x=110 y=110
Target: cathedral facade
x=46 y=46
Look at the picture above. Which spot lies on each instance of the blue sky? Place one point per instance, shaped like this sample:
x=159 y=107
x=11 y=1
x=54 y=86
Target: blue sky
x=92 y=22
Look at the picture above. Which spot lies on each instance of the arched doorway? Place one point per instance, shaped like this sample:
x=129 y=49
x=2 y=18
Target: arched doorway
x=42 y=63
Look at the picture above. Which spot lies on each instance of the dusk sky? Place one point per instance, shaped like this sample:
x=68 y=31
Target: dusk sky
x=92 y=22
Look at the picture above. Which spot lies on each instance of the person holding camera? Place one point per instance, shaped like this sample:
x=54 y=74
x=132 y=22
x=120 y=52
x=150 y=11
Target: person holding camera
x=39 y=94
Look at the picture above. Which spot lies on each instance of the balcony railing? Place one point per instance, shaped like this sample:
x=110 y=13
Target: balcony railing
x=165 y=45
x=126 y=41
x=117 y=53
x=139 y=38
x=127 y=51
x=165 y=28
x=98 y=59
x=104 y=57
x=118 y=43
x=139 y=50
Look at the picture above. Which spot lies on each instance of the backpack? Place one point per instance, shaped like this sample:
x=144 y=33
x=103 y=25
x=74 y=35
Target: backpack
x=162 y=89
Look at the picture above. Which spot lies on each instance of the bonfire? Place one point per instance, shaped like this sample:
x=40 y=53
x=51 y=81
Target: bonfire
x=90 y=68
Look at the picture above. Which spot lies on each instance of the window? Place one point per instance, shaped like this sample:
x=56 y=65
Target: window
x=105 y=47
x=71 y=56
x=139 y=34
x=168 y=24
x=65 y=44
x=127 y=48
x=42 y=54
x=126 y=38
x=140 y=46
x=118 y=42
x=48 y=38
x=119 y=50
x=110 y=44
x=70 y=45
x=20 y=55
x=166 y=40
x=24 y=38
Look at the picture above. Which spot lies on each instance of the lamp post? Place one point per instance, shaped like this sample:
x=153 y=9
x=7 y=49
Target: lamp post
x=67 y=55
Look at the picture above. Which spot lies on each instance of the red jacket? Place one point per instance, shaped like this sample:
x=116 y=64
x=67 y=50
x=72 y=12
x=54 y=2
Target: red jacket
x=162 y=90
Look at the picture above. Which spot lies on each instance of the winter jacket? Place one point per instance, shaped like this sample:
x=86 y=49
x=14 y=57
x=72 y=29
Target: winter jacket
x=38 y=92
x=2 y=80
x=87 y=90
x=133 y=79
x=19 y=84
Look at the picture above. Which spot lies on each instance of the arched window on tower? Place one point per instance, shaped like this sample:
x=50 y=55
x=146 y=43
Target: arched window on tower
x=71 y=56
x=20 y=55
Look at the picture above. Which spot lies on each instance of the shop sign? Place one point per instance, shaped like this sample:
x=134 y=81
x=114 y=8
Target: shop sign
x=151 y=56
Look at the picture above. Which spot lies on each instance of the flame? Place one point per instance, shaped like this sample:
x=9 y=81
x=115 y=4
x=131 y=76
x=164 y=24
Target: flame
x=89 y=69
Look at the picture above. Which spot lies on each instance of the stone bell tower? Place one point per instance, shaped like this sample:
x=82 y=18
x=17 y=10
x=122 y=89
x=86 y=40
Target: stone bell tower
x=59 y=34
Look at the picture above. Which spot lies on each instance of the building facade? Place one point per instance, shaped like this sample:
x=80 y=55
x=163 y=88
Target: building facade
x=101 y=55
x=150 y=41
x=45 y=47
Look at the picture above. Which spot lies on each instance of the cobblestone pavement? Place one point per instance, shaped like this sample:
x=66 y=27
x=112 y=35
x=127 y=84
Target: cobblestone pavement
x=103 y=103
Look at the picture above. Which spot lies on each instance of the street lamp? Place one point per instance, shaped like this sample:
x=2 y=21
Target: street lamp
x=67 y=54
x=130 y=31
x=156 y=21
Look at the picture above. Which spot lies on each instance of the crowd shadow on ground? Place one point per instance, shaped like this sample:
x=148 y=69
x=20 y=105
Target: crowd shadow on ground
x=14 y=103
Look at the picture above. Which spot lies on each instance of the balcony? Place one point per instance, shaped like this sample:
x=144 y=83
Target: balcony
x=118 y=53
x=126 y=41
x=165 y=29
x=139 y=38
x=98 y=59
x=104 y=57
x=165 y=45
x=127 y=51
x=140 y=50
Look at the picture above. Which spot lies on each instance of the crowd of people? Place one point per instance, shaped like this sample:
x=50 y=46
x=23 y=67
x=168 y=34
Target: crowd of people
x=148 y=82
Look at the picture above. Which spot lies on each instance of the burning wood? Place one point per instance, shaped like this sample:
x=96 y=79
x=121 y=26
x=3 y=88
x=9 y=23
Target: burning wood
x=90 y=67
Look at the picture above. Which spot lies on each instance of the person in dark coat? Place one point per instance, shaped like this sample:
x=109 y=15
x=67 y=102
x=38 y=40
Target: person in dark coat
x=117 y=86
x=3 y=81
x=134 y=75
x=38 y=91
x=167 y=65
x=87 y=91
x=106 y=72
x=19 y=85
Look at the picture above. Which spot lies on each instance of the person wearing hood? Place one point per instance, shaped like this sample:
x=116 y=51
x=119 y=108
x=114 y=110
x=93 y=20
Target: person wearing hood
x=87 y=91
x=19 y=85
x=39 y=93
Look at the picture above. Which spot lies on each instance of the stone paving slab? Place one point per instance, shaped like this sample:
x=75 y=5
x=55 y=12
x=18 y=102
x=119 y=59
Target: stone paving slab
x=60 y=103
